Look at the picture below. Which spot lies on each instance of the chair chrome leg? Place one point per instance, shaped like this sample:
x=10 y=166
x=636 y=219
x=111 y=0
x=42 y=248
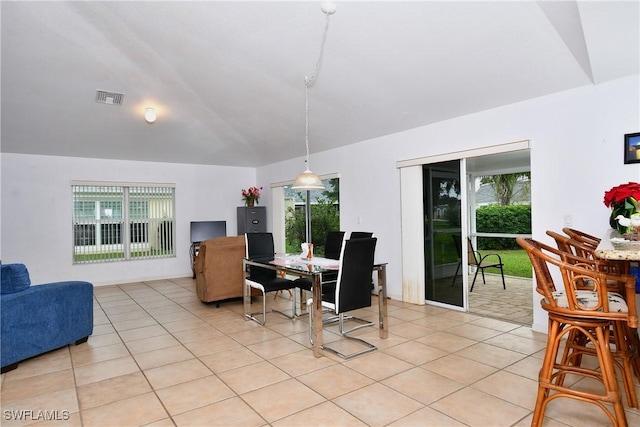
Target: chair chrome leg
x=293 y=310
x=308 y=313
x=363 y=323
x=252 y=315
x=368 y=346
x=249 y=315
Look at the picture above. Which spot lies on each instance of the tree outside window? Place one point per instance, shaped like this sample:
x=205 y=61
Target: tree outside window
x=325 y=215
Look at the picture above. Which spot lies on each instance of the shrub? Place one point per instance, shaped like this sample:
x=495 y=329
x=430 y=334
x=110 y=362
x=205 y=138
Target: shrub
x=325 y=217
x=511 y=219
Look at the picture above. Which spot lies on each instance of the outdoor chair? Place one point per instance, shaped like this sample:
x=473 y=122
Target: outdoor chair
x=477 y=260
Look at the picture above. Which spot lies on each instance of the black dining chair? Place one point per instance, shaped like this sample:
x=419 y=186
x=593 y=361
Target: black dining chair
x=352 y=291
x=360 y=235
x=260 y=245
x=333 y=244
x=332 y=248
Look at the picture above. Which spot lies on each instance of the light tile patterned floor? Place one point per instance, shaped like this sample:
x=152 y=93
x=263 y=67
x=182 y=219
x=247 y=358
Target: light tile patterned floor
x=160 y=357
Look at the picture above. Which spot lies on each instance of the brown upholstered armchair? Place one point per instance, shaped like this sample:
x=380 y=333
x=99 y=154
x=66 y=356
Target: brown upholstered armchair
x=218 y=268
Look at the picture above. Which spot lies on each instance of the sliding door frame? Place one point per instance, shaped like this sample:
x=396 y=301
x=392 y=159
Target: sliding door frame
x=412 y=215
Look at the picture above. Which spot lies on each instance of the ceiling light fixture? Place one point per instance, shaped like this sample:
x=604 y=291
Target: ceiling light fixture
x=150 y=114
x=308 y=180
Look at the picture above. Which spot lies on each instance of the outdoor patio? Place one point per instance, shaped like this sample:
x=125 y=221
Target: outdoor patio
x=515 y=304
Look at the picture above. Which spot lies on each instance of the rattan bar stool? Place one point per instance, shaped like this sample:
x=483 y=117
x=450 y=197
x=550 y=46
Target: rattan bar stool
x=580 y=254
x=582 y=237
x=584 y=317
x=585 y=248
x=627 y=352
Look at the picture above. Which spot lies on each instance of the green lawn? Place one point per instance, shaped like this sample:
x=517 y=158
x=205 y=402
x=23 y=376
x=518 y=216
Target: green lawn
x=516 y=262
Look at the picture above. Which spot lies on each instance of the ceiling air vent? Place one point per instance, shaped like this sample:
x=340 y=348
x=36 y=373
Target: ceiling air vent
x=113 y=98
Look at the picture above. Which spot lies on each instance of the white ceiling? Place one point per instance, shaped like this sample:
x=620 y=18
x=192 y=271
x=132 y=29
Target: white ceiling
x=227 y=78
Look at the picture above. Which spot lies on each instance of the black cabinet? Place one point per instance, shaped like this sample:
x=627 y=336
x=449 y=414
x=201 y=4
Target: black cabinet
x=252 y=219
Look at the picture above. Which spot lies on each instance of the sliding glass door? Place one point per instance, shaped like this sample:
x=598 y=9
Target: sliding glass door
x=438 y=211
x=442 y=198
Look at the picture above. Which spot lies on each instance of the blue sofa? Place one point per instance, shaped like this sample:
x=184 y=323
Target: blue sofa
x=38 y=319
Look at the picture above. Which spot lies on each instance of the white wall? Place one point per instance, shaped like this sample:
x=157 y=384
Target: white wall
x=577 y=146
x=576 y=155
x=37 y=201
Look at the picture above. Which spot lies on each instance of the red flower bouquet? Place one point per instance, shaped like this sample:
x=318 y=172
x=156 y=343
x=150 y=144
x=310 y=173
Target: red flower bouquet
x=623 y=200
x=251 y=195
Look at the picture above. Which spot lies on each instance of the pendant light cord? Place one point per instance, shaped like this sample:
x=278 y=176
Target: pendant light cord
x=308 y=81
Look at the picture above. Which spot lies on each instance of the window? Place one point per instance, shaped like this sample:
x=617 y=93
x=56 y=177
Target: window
x=325 y=215
x=116 y=222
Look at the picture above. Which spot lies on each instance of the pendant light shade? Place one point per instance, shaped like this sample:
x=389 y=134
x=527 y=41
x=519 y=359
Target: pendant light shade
x=307 y=180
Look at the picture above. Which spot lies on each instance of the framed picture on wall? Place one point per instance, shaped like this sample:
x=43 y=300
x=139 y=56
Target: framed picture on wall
x=632 y=148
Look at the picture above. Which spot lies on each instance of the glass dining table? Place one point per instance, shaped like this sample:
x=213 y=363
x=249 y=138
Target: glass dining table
x=295 y=265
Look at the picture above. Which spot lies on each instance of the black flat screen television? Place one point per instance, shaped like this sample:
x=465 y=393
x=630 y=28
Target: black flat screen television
x=204 y=230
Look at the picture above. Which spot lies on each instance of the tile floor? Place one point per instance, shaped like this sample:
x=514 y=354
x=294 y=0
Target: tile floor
x=160 y=357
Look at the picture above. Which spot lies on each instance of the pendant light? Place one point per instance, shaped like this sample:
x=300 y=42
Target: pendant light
x=308 y=180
